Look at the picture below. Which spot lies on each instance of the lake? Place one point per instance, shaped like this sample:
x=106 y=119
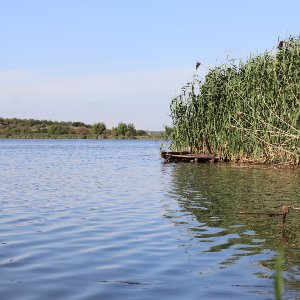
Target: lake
x=107 y=219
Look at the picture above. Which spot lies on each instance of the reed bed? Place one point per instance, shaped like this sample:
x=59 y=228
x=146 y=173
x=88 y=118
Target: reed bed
x=245 y=111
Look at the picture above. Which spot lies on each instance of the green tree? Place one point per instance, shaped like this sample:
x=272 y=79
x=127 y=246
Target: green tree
x=121 y=129
x=98 y=128
x=30 y=122
x=131 y=129
x=25 y=129
x=78 y=124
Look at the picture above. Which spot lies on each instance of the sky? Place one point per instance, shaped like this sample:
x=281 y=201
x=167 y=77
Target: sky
x=123 y=60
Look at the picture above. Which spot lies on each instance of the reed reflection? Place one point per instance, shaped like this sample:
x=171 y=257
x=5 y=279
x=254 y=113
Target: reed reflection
x=250 y=205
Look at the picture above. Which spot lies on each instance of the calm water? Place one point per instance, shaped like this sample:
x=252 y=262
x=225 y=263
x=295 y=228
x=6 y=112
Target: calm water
x=107 y=219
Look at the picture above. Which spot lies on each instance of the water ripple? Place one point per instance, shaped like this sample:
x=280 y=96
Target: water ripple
x=90 y=219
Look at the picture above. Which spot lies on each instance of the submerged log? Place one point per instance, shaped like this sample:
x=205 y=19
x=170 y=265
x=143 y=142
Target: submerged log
x=262 y=214
x=285 y=211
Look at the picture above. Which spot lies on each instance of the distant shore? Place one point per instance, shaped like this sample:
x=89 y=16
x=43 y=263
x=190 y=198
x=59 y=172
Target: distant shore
x=46 y=129
x=76 y=137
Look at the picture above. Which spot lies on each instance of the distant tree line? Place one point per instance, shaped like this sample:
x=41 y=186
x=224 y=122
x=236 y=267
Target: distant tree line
x=15 y=126
x=33 y=122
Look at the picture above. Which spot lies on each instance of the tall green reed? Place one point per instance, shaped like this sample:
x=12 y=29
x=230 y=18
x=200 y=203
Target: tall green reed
x=243 y=111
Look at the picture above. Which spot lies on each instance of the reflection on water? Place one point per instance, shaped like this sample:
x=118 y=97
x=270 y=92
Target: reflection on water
x=104 y=219
x=214 y=194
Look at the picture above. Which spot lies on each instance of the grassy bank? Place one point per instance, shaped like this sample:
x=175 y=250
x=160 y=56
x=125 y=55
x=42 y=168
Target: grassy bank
x=243 y=111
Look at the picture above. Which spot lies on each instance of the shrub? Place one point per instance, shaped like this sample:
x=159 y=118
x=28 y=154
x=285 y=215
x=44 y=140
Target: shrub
x=107 y=132
x=82 y=130
x=141 y=132
x=98 y=128
x=58 y=129
x=128 y=134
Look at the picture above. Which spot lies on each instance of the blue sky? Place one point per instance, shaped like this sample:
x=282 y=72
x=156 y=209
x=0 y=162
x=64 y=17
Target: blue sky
x=123 y=60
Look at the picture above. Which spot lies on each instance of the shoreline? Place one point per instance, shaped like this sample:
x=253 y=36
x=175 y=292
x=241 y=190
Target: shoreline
x=186 y=157
x=80 y=138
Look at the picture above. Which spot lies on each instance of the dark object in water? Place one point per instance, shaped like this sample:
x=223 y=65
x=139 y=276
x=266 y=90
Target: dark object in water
x=188 y=157
x=263 y=214
x=285 y=211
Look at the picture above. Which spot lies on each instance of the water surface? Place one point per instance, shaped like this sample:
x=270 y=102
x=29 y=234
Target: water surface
x=107 y=219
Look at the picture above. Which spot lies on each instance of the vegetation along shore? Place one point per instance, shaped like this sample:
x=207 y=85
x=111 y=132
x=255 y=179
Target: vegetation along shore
x=245 y=111
x=43 y=129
